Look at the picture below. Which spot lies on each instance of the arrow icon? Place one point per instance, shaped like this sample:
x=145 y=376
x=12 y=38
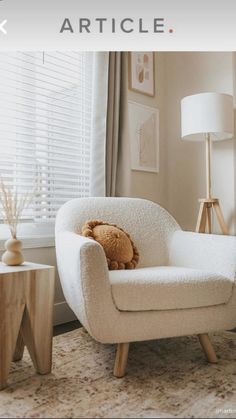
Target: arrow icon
x=2 y=29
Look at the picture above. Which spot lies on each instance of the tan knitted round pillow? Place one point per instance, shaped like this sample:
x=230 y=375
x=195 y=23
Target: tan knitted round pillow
x=117 y=244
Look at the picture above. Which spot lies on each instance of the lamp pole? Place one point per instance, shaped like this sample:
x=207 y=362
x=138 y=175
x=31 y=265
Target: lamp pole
x=208 y=165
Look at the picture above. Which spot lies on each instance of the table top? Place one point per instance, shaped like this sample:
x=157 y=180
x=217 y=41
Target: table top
x=26 y=266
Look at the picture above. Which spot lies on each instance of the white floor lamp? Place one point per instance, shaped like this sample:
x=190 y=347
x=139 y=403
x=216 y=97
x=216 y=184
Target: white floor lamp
x=209 y=117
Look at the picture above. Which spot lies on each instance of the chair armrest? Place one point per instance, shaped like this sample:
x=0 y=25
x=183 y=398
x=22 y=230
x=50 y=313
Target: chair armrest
x=83 y=272
x=215 y=253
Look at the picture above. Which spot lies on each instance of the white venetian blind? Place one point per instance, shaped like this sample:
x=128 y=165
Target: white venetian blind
x=45 y=126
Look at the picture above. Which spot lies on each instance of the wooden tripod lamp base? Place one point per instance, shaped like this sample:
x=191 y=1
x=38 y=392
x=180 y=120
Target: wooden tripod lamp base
x=204 y=222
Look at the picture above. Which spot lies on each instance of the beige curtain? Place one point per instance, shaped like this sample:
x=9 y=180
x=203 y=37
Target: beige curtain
x=116 y=129
x=99 y=122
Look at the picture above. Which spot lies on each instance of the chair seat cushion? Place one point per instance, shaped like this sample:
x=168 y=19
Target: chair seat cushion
x=168 y=288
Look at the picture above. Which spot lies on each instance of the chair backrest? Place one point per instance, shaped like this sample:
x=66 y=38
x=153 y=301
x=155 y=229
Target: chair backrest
x=149 y=225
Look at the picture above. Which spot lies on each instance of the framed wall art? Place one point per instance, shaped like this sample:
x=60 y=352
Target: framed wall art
x=144 y=137
x=142 y=72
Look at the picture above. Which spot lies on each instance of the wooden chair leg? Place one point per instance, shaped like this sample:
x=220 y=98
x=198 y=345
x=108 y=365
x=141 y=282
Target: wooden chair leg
x=121 y=359
x=208 y=348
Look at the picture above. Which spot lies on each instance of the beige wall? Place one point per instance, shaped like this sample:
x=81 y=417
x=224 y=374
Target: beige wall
x=188 y=73
x=144 y=184
x=181 y=179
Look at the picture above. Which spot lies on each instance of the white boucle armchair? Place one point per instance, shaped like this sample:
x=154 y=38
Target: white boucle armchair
x=184 y=283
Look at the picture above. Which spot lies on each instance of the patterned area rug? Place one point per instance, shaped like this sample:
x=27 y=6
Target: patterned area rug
x=166 y=378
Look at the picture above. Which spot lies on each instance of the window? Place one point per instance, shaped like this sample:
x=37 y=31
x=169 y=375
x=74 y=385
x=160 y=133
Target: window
x=45 y=127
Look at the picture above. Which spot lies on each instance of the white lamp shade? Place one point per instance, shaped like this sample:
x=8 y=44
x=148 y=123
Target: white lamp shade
x=207 y=113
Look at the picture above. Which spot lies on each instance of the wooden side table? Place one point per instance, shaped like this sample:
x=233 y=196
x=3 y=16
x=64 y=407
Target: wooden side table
x=26 y=316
